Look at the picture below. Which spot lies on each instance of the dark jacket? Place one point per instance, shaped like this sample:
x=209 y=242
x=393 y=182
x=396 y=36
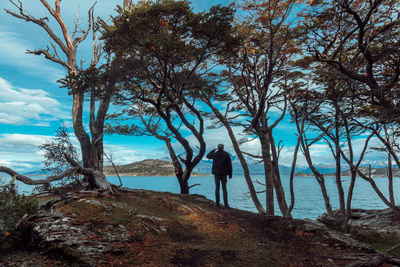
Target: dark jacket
x=222 y=164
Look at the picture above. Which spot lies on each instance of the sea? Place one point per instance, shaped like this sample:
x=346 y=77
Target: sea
x=309 y=202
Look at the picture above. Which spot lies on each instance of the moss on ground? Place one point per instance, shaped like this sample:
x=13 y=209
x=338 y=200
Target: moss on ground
x=381 y=242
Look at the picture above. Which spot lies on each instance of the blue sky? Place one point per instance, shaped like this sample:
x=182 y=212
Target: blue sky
x=32 y=105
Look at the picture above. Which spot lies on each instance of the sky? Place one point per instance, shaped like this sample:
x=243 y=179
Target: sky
x=33 y=106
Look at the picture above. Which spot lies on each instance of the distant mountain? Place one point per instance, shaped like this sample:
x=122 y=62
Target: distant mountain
x=204 y=167
x=375 y=172
x=148 y=167
x=164 y=167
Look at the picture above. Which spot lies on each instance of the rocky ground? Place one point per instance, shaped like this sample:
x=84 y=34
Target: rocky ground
x=145 y=228
x=379 y=228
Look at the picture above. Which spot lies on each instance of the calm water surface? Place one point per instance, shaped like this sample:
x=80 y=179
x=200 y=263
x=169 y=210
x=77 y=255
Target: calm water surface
x=309 y=202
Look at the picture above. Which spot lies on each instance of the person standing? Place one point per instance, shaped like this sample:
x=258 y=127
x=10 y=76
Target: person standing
x=221 y=168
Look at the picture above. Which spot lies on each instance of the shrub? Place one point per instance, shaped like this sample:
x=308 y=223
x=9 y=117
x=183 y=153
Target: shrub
x=13 y=206
x=56 y=162
x=61 y=188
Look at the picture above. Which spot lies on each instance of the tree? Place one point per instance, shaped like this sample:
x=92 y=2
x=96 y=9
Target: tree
x=388 y=134
x=360 y=40
x=331 y=97
x=303 y=106
x=261 y=76
x=167 y=53
x=91 y=144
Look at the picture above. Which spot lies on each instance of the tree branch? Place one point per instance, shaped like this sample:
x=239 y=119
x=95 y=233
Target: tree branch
x=55 y=58
x=41 y=22
x=29 y=181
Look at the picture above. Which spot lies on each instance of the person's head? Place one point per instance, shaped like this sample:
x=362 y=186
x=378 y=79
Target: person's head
x=220 y=147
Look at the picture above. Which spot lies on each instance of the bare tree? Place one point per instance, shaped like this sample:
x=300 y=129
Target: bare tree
x=388 y=134
x=63 y=51
x=301 y=110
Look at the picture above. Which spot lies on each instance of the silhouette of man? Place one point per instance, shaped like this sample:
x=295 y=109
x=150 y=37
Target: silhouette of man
x=221 y=168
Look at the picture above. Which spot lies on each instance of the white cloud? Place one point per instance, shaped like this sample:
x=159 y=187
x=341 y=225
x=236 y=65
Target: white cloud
x=21 y=152
x=22 y=140
x=5 y=162
x=13 y=53
x=22 y=106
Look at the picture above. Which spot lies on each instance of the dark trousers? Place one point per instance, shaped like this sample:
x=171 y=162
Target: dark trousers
x=221 y=179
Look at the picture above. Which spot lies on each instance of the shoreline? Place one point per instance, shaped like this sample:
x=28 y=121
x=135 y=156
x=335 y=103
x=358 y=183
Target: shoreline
x=343 y=176
x=138 y=175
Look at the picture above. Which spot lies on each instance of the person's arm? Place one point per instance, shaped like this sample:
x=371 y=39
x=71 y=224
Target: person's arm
x=211 y=154
x=229 y=166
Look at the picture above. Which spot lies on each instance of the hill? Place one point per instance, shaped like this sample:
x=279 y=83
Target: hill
x=148 y=167
x=164 y=167
x=146 y=228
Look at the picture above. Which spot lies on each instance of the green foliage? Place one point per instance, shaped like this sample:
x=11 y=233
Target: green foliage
x=169 y=30
x=55 y=150
x=169 y=57
x=165 y=46
x=55 y=161
x=13 y=207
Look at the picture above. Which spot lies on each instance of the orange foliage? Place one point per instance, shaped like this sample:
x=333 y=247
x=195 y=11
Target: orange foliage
x=164 y=23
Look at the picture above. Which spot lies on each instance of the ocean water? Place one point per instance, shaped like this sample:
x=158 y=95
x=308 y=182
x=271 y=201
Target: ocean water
x=309 y=202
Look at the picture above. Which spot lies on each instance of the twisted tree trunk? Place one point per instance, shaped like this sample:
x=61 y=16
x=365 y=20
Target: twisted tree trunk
x=91 y=150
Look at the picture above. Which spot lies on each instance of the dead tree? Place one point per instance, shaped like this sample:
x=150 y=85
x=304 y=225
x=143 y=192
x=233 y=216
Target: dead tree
x=63 y=51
